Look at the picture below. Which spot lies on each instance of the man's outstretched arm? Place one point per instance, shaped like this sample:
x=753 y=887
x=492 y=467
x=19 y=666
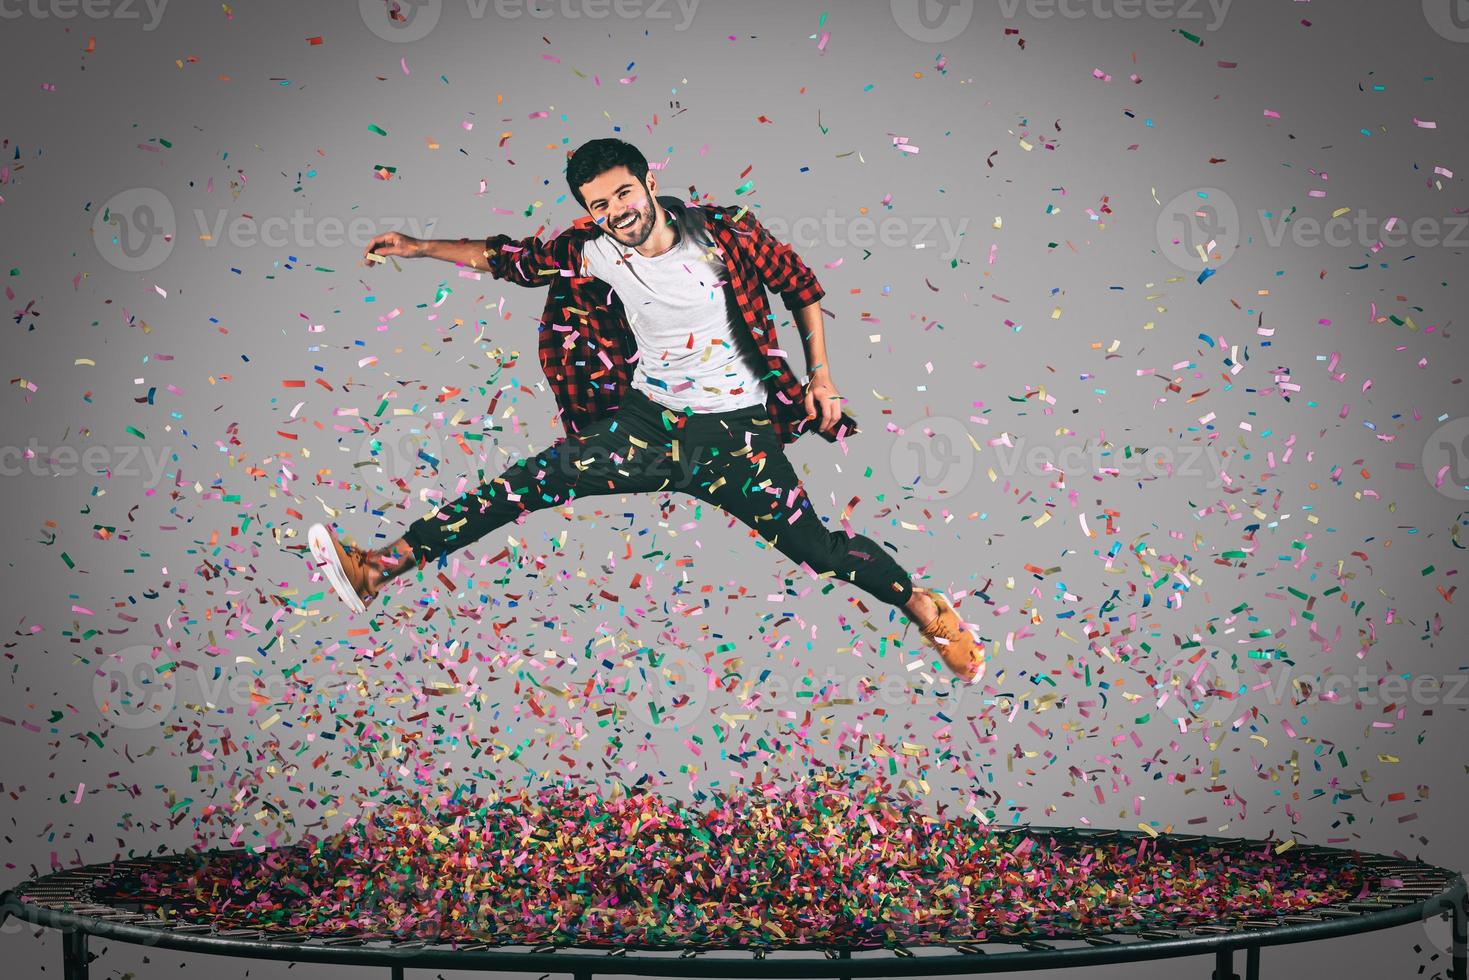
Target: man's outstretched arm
x=526 y=261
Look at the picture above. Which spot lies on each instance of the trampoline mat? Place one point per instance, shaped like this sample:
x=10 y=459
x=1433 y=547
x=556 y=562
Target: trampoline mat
x=810 y=866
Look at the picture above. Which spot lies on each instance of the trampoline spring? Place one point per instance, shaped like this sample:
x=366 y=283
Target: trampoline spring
x=1260 y=924
x=688 y=954
x=1031 y=945
x=759 y=952
x=970 y=950
x=1100 y=940
x=1371 y=906
x=1301 y=918
x=619 y=951
x=1157 y=934
x=546 y=948
x=191 y=928
x=902 y=952
x=1396 y=899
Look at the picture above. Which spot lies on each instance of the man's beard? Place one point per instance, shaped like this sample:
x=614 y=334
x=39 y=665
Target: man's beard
x=637 y=233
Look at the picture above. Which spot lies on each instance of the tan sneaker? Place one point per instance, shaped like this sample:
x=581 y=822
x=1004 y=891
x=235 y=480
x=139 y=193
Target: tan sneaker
x=951 y=638
x=345 y=568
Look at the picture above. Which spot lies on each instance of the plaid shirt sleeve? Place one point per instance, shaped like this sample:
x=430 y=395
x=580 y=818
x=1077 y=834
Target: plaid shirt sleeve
x=780 y=268
x=525 y=261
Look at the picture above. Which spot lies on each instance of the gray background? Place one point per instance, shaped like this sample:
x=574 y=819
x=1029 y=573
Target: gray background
x=163 y=554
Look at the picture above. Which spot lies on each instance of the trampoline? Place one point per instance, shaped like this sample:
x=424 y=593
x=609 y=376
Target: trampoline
x=121 y=901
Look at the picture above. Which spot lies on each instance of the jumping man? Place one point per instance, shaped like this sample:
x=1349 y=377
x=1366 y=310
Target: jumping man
x=658 y=341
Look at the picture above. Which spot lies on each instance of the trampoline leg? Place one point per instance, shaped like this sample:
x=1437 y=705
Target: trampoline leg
x=844 y=954
x=1459 y=922
x=74 y=955
x=1224 y=965
x=397 y=972
x=1252 y=963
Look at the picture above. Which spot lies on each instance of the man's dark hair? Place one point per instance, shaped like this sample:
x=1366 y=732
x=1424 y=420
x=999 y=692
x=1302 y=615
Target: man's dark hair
x=599 y=156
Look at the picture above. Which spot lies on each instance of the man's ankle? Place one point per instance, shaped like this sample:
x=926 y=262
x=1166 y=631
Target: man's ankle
x=396 y=559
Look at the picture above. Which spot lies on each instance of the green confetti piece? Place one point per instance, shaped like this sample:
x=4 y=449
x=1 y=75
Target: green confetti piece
x=377 y=129
x=136 y=432
x=67 y=558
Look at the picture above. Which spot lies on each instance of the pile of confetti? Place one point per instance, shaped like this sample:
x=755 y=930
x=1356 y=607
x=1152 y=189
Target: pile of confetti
x=819 y=862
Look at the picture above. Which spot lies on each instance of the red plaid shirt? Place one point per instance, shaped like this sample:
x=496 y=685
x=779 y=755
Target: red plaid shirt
x=585 y=340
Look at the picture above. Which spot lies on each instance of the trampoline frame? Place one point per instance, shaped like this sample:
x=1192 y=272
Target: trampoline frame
x=64 y=901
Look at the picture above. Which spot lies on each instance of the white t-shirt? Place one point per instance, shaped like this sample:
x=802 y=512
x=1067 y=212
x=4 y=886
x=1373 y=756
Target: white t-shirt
x=685 y=324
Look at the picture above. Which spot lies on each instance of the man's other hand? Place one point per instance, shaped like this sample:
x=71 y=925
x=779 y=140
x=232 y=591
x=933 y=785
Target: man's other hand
x=823 y=403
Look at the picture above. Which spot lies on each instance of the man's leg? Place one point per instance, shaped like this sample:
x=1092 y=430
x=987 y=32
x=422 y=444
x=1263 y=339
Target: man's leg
x=755 y=482
x=604 y=458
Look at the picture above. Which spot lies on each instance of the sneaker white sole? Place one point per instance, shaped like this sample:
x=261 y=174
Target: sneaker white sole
x=325 y=554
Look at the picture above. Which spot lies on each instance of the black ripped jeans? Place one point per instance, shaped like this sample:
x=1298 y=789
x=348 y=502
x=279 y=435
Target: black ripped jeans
x=730 y=459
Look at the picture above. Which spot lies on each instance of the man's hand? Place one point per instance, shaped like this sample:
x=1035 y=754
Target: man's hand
x=823 y=403
x=392 y=243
